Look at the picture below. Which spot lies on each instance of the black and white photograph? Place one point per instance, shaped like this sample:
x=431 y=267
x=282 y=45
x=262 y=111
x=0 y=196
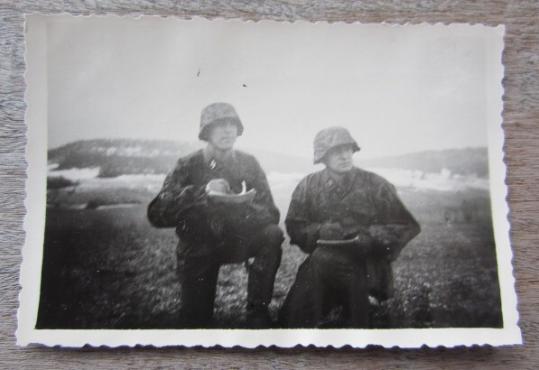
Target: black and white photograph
x=271 y=183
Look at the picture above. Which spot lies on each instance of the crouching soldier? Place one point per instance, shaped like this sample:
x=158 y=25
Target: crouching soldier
x=215 y=225
x=353 y=225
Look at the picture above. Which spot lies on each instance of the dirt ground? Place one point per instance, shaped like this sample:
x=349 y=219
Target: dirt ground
x=109 y=268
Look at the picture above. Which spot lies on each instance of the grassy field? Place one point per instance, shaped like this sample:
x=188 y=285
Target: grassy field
x=108 y=268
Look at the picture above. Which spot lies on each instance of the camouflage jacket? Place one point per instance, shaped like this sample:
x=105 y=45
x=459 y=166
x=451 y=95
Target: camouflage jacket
x=364 y=203
x=182 y=201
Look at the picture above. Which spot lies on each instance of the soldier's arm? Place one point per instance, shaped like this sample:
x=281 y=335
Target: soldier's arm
x=176 y=196
x=303 y=231
x=263 y=205
x=395 y=225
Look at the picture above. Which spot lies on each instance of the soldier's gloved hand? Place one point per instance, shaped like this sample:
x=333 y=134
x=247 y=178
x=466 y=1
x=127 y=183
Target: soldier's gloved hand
x=381 y=234
x=384 y=240
x=331 y=231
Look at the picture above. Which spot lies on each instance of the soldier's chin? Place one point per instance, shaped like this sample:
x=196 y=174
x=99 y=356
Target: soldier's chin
x=226 y=145
x=344 y=168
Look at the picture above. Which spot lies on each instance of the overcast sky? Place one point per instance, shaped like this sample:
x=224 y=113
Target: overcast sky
x=398 y=89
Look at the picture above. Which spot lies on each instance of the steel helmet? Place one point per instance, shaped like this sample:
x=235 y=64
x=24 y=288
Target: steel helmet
x=215 y=113
x=332 y=137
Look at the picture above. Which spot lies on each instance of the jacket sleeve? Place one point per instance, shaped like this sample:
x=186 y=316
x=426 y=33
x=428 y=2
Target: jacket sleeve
x=263 y=207
x=395 y=226
x=176 y=196
x=302 y=230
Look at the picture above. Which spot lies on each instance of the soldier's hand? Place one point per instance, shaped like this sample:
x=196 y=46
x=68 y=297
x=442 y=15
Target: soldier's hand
x=331 y=231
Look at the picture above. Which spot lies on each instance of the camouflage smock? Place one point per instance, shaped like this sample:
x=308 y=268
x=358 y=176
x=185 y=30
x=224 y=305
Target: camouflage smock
x=363 y=203
x=201 y=223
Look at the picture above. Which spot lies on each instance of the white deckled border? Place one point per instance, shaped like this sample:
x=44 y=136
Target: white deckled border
x=34 y=223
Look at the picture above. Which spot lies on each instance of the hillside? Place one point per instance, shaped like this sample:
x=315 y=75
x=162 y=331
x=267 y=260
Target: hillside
x=467 y=161
x=115 y=157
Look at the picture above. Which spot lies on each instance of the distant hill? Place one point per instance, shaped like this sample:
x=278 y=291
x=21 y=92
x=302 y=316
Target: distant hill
x=278 y=162
x=117 y=157
x=467 y=161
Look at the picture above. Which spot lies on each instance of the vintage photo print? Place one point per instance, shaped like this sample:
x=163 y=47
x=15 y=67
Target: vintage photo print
x=223 y=182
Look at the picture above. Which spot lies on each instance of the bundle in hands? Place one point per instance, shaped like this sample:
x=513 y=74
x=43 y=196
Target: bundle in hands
x=219 y=191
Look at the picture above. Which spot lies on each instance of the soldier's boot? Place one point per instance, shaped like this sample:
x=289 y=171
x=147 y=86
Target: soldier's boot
x=267 y=259
x=358 y=305
x=258 y=317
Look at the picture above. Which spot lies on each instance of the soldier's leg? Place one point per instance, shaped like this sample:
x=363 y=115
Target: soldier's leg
x=346 y=276
x=198 y=278
x=332 y=277
x=265 y=247
x=302 y=307
x=356 y=302
x=309 y=300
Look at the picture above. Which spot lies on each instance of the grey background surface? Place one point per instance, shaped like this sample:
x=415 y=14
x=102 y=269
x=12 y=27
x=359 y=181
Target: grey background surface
x=521 y=115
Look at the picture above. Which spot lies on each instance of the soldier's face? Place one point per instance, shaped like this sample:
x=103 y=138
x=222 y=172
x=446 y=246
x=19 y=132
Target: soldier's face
x=339 y=159
x=223 y=135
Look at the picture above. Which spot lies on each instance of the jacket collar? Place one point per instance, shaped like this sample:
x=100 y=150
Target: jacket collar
x=212 y=161
x=343 y=186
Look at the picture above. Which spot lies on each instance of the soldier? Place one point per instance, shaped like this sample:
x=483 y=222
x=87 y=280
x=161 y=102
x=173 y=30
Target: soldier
x=214 y=228
x=353 y=225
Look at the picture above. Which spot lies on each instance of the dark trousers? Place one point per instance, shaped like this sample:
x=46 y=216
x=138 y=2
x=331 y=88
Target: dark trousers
x=198 y=275
x=330 y=277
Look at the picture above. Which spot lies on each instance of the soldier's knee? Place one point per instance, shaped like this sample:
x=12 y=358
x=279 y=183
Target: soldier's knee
x=270 y=242
x=329 y=258
x=320 y=257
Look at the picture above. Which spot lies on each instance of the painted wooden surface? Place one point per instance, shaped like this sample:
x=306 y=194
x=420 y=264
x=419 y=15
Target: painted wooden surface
x=521 y=124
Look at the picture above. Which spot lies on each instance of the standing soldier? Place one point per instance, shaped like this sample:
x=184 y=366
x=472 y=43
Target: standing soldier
x=215 y=226
x=353 y=225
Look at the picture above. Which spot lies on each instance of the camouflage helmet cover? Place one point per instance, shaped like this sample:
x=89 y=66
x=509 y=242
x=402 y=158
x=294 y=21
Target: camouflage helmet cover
x=216 y=113
x=329 y=138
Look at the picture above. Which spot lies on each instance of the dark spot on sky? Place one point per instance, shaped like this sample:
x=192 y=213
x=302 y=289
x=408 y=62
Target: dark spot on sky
x=244 y=85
